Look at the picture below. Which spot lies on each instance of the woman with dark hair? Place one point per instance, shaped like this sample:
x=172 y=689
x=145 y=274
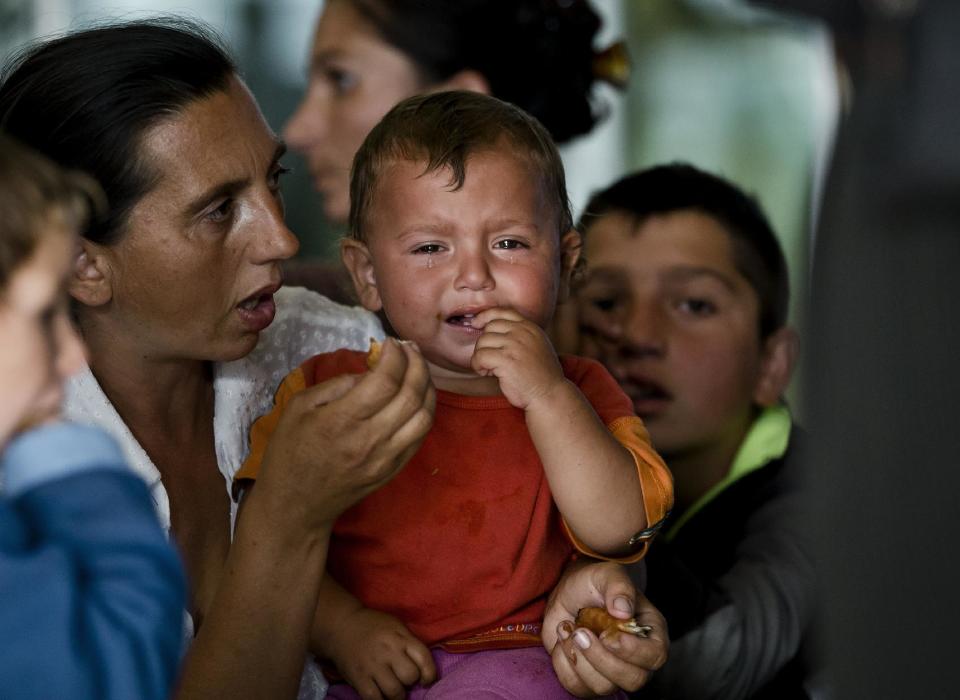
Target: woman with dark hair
x=368 y=55
x=177 y=293
x=172 y=289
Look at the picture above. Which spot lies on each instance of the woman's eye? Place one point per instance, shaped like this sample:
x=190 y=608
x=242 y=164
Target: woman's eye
x=274 y=180
x=221 y=212
x=341 y=80
x=509 y=244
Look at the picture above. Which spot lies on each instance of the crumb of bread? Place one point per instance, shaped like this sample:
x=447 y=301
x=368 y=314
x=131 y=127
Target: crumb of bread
x=373 y=354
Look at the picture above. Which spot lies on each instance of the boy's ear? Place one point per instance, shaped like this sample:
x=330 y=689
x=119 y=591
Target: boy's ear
x=466 y=79
x=570 y=246
x=356 y=258
x=777 y=361
x=90 y=279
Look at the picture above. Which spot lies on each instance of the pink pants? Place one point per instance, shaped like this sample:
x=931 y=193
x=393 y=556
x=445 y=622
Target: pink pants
x=508 y=674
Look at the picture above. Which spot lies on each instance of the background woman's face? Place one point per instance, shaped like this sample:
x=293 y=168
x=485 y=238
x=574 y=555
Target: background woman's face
x=355 y=78
x=40 y=347
x=194 y=273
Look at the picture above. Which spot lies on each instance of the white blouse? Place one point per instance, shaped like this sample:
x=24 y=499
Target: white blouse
x=306 y=324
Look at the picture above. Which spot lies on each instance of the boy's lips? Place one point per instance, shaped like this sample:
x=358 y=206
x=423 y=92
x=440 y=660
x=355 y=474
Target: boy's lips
x=649 y=398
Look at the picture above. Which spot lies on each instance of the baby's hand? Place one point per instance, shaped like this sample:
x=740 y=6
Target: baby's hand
x=379 y=657
x=518 y=353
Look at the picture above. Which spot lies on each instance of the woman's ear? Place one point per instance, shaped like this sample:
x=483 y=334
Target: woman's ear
x=466 y=79
x=570 y=246
x=356 y=258
x=777 y=361
x=90 y=279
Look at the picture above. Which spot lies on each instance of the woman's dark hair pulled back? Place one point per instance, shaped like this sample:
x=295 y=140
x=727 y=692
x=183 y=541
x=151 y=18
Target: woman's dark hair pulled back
x=86 y=99
x=536 y=54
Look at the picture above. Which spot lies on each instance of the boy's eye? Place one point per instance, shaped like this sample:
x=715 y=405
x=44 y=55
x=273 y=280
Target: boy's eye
x=428 y=249
x=605 y=304
x=509 y=244
x=697 y=307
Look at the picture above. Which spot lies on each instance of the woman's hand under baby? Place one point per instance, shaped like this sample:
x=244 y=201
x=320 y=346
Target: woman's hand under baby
x=517 y=352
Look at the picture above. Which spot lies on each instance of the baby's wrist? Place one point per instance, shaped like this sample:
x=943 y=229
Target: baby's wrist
x=552 y=397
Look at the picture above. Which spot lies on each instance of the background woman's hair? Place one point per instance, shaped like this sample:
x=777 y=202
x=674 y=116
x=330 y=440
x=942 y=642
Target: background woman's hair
x=537 y=54
x=86 y=99
x=35 y=196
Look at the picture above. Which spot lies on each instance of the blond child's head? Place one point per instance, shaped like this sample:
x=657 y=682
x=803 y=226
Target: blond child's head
x=41 y=209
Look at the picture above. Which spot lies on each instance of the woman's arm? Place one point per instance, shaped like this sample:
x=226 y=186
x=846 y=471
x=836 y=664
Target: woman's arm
x=335 y=443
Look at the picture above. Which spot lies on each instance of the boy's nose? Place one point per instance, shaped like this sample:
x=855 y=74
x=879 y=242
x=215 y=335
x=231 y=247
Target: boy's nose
x=643 y=330
x=473 y=273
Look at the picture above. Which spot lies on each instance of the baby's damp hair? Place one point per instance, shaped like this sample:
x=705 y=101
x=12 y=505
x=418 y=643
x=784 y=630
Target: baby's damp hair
x=442 y=130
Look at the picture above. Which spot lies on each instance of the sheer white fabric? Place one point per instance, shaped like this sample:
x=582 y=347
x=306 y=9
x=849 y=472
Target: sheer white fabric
x=306 y=324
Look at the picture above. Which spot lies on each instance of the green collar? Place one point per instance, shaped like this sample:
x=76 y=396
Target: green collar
x=766 y=441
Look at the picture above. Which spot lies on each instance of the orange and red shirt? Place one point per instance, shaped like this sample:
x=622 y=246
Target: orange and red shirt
x=465 y=543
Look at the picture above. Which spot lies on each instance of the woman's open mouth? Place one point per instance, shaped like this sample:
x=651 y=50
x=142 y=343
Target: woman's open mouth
x=258 y=310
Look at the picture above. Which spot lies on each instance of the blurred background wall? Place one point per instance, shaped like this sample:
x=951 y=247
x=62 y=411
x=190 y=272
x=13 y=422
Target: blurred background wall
x=747 y=93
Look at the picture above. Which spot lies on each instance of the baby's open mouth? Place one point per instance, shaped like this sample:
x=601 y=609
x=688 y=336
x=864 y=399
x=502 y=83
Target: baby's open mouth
x=465 y=320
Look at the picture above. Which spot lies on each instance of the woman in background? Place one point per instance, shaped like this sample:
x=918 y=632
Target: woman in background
x=367 y=55
x=92 y=591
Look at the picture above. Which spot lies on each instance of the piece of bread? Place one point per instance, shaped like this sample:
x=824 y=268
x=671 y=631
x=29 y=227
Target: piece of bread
x=602 y=623
x=373 y=354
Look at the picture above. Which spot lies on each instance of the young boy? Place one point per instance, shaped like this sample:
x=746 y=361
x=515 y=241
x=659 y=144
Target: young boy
x=685 y=302
x=92 y=591
x=461 y=233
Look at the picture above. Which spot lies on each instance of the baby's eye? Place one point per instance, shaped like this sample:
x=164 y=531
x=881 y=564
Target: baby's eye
x=698 y=307
x=509 y=244
x=427 y=249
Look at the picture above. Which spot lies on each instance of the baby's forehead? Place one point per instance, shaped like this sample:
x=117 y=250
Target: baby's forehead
x=516 y=172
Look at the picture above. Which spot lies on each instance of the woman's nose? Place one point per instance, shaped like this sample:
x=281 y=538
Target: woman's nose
x=307 y=123
x=273 y=240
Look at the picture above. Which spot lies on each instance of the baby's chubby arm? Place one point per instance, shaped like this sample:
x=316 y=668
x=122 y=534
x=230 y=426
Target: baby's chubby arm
x=373 y=651
x=592 y=476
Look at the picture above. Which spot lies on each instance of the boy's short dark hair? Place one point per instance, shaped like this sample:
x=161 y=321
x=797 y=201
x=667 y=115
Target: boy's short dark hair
x=444 y=129
x=678 y=186
x=36 y=194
